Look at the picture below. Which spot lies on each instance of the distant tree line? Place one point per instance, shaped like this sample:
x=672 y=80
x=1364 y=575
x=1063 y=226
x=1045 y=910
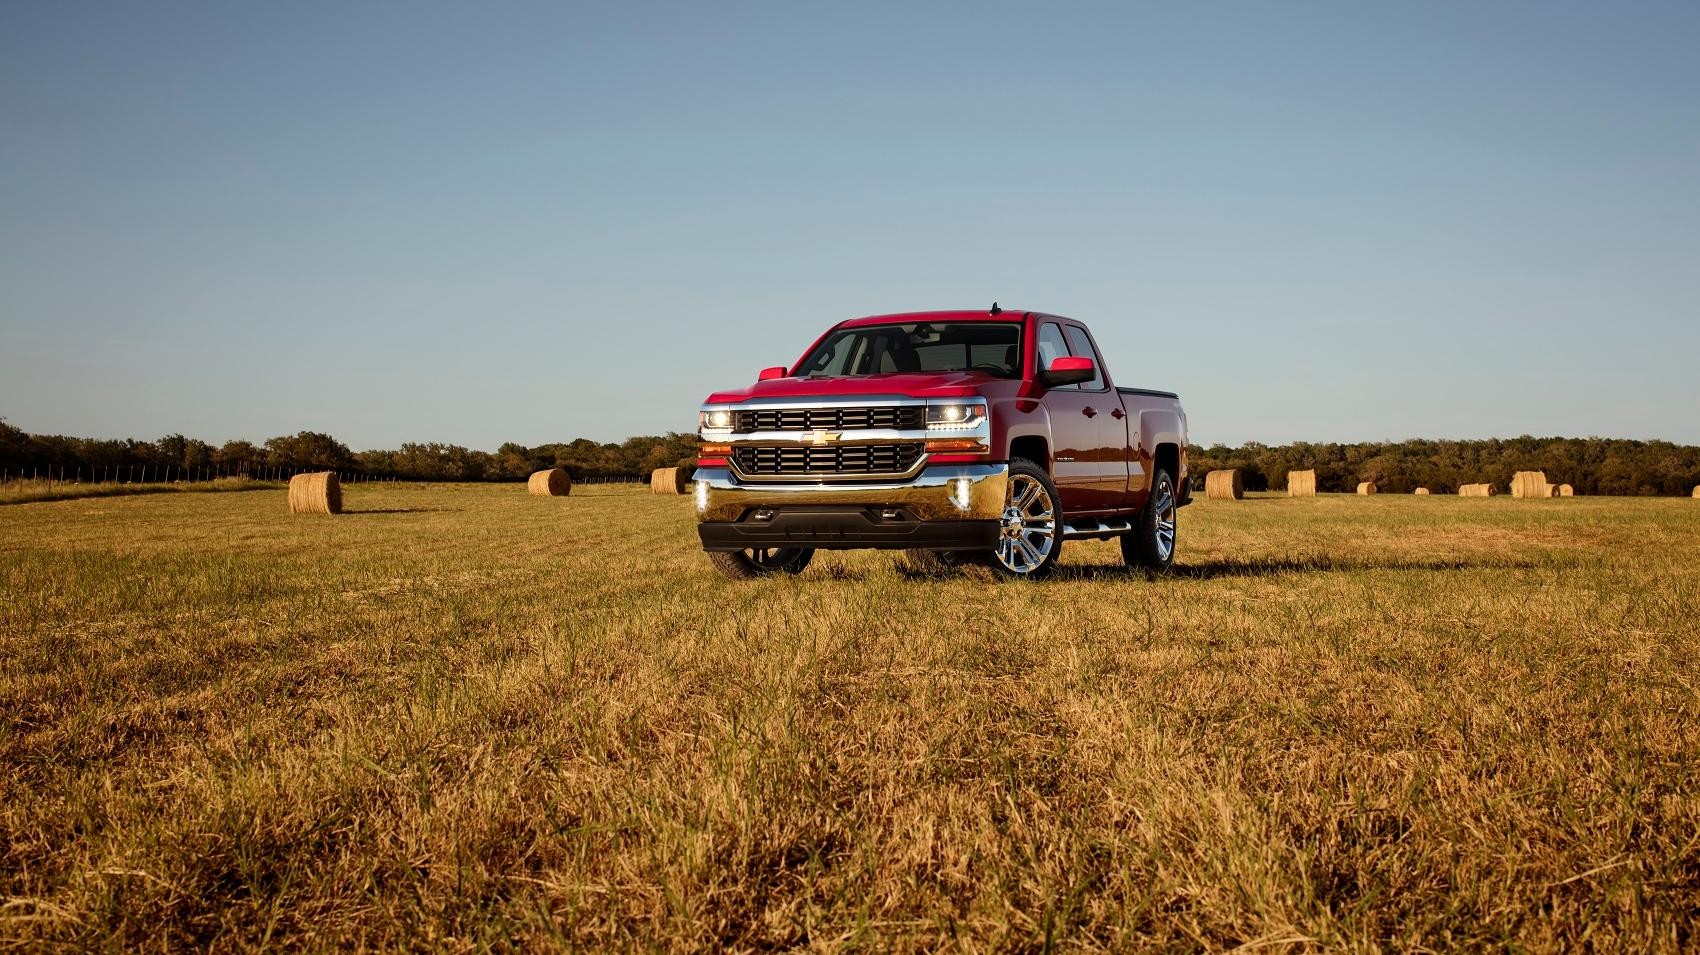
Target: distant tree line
x=1591 y=465
x=309 y=450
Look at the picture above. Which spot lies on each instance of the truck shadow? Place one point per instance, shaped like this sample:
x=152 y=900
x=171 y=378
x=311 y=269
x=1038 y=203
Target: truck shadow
x=1274 y=567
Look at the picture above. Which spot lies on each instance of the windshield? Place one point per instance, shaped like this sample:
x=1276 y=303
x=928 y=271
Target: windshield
x=990 y=347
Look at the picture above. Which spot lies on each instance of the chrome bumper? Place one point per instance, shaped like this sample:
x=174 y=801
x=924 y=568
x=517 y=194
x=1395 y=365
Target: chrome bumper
x=941 y=492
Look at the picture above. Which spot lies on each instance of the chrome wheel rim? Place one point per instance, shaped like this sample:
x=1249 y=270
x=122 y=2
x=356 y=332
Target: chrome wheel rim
x=1028 y=528
x=1164 y=505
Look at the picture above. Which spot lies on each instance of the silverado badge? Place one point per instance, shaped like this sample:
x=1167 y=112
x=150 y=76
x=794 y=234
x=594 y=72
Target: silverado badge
x=822 y=437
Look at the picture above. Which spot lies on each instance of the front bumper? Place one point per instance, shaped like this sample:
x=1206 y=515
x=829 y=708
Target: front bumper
x=945 y=507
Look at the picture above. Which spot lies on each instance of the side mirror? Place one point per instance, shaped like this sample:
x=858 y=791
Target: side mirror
x=1068 y=370
x=768 y=374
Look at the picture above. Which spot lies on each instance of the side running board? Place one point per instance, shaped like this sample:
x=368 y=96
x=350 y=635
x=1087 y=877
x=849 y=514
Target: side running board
x=1096 y=530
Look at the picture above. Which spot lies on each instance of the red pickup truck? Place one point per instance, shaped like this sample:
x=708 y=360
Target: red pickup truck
x=991 y=436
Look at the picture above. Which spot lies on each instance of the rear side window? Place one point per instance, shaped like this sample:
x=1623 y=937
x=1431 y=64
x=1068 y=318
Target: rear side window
x=1080 y=346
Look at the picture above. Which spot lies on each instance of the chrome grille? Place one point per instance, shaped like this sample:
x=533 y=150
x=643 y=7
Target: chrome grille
x=897 y=417
x=838 y=459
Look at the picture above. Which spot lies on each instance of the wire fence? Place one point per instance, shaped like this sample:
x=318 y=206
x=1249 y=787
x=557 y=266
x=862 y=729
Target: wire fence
x=173 y=474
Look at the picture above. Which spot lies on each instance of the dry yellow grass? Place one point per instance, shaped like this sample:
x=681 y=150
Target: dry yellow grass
x=1367 y=487
x=553 y=482
x=452 y=721
x=317 y=493
x=1301 y=483
x=28 y=492
x=1224 y=485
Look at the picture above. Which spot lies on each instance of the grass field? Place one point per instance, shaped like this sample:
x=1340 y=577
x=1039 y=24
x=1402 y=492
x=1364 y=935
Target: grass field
x=29 y=492
x=463 y=717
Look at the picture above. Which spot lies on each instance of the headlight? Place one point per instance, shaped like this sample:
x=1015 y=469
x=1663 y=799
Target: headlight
x=955 y=415
x=714 y=420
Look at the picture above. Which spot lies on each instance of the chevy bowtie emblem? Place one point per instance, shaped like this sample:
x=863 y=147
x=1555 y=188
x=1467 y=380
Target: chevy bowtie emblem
x=822 y=437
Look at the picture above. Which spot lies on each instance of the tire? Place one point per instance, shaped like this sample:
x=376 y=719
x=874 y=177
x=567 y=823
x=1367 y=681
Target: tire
x=1151 y=543
x=765 y=562
x=919 y=562
x=1031 y=536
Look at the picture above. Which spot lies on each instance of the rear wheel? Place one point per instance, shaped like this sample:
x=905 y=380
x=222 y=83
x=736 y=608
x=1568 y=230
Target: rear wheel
x=1029 y=538
x=761 y=562
x=1151 y=543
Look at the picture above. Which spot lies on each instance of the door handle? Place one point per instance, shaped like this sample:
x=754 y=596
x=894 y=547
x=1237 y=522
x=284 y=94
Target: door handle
x=1117 y=413
x=1089 y=411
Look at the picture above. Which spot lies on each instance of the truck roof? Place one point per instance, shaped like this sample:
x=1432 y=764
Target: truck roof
x=964 y=315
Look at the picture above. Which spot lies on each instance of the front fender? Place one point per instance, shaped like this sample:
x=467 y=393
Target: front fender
x=1019 y=417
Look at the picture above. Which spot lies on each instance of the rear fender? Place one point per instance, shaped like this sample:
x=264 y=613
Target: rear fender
x=1158 y=427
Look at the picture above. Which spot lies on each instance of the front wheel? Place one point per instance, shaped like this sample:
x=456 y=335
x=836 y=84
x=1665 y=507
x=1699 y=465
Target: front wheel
x=761 y=562
x=1030 y=532
x=1151 y=543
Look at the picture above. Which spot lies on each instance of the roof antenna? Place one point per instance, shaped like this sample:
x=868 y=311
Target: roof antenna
x=996 y=310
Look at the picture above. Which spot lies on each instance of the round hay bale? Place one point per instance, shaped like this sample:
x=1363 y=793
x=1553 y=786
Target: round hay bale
x=551 y=483
x=1696 y=491
x=1476 y=490
x=317 y=493
x=1531 y=484
x=1301 y=483
x=668 y=480
x=1224 y=485
x=1420 y=490
x=1565 y=490
x=1367 y=487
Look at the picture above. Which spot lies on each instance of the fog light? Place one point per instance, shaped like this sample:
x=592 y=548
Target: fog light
x=961 y=491
x=702 y=497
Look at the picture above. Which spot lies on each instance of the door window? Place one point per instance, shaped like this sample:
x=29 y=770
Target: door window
x=1051 y=346
x=1080 y=346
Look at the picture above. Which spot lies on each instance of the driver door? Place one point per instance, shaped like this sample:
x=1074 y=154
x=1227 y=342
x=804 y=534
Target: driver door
x=1074 y=432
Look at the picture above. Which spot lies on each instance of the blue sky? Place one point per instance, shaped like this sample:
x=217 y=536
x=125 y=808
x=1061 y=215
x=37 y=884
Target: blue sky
x=491 y=222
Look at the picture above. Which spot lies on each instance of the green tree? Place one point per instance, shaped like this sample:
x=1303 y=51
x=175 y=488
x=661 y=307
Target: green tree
x=308 y=450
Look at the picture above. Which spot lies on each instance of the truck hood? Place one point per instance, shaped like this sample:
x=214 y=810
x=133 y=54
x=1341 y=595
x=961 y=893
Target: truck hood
x=933 y=384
